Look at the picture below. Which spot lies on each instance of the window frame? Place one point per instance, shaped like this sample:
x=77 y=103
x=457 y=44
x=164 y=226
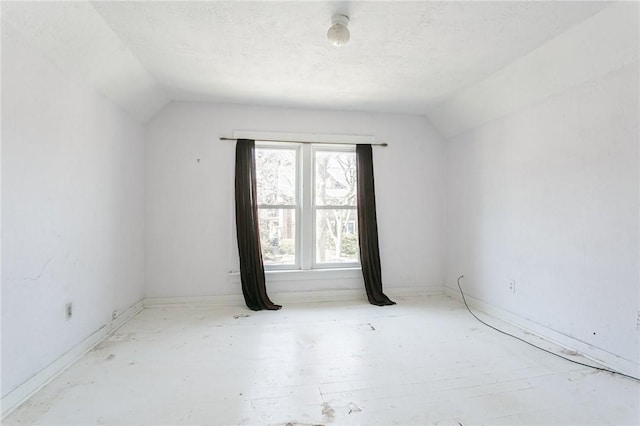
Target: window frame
x=305 y=206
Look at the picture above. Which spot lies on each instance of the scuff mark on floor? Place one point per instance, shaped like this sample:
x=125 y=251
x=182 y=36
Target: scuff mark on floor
x=301 y=424
x=372 y=327
x=122 y=337
x=353 y=408
x=110 y=357
x=328 y=411
x=236 y=316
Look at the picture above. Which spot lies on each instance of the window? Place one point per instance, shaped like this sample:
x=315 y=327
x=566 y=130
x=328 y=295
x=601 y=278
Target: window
x=335 y=206
x=307 y=206
x=277 y=177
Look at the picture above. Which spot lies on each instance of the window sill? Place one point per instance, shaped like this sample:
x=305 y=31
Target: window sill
x=311 y=274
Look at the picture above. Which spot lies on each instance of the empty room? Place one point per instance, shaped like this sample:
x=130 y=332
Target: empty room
x=318 y=212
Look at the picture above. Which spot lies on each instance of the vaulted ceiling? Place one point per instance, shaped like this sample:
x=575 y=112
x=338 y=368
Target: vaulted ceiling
x=405 y=57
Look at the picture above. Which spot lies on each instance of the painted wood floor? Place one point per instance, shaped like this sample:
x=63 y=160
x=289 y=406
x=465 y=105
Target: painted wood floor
x=425 y=361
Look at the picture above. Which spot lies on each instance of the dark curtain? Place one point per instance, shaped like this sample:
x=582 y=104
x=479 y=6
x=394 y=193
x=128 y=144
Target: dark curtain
x=248 y=231
x=368 y=228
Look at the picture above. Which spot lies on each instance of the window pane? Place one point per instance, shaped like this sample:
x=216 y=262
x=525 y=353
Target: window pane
x=278 y=236
x=276 y=176
x=336 y=236
x=335 y=178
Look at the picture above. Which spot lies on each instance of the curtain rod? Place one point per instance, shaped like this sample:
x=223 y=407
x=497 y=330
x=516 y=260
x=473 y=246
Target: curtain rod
x=326 y=143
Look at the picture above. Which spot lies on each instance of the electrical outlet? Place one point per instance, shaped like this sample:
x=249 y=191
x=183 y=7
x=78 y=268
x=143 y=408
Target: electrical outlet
x=69 y=310
x=512 y=286
x=114 y=314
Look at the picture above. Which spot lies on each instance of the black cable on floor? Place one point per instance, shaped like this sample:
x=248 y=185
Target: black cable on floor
x=538 y=347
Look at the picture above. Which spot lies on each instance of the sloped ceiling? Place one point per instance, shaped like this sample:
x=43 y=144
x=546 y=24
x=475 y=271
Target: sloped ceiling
x=405 y=57
x=603 y=43
x=81 y=44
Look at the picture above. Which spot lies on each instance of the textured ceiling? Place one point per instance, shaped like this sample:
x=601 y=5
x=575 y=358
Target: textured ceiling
x=402 y=57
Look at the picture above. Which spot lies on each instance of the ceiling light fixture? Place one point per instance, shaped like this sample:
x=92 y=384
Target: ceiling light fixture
x=338 y=34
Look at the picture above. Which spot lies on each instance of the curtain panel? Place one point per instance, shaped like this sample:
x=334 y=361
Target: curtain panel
x=248 y=230
x=368 y=228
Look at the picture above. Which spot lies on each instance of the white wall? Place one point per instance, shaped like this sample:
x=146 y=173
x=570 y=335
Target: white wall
x=605 y=42
x=548 y=197
x=72 y=211
x=190 y=236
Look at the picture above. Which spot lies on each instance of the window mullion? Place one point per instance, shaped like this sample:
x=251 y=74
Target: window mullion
x=277 y=206
x=331 y=207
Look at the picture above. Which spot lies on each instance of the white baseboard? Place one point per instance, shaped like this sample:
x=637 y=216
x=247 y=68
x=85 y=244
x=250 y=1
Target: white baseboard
x=193 y=301
x=352 y=294
x=22 y=393
x=414 y=291
x=600 y=356
x=290 y=297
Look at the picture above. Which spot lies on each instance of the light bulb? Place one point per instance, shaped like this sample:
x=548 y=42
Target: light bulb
x=338 y=34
